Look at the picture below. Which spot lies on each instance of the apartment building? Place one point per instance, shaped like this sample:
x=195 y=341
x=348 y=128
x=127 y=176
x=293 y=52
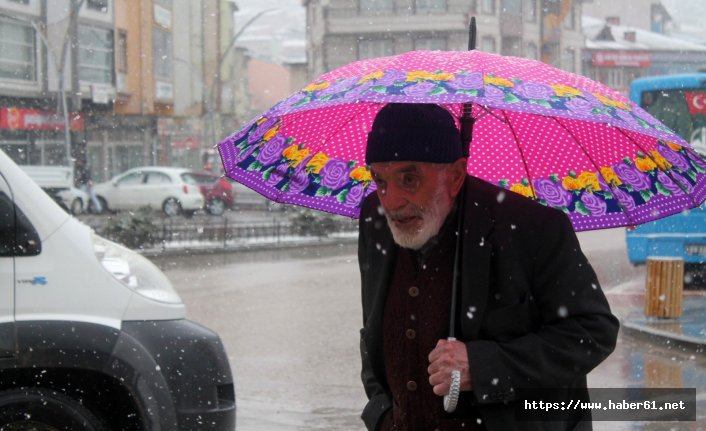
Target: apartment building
x=146 y=81
x=341 y=31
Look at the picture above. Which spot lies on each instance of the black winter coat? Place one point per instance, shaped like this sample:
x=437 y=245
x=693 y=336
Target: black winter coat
x=530 y=309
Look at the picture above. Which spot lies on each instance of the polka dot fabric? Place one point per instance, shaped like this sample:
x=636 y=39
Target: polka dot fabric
x=559 y=138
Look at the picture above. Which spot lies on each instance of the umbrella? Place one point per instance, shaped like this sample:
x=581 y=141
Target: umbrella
x=560 y=138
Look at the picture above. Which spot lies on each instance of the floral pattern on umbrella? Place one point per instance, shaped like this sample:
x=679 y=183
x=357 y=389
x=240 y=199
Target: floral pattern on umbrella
x=562 y=139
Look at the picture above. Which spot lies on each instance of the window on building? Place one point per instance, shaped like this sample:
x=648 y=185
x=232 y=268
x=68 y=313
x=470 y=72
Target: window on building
x=121 y=57
x=95 y=55
x=430 y=6
x=511 y=46
x=531 y=51
x=530 y=10
x=512 y=7
x=162 y=54
x=99 y=5
x=17 y=51
x=488 y=7
x=20 y=1
x=375 y=48
x=430 y=43
x=376 y=6
x=487 y=44
x=568 y=59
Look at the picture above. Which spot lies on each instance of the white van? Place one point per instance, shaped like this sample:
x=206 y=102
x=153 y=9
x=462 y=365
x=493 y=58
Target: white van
x=92 y=335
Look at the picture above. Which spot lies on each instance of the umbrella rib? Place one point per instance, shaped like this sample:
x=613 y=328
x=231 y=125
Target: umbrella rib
x=647 y=154
x=595 y=165
x=492 y=114
x=522 y=155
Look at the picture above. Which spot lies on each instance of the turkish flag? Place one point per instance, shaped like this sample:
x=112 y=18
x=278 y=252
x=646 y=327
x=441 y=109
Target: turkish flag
x=696 y=102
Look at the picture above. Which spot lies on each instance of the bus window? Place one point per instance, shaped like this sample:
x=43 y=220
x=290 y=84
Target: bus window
x=683 y=111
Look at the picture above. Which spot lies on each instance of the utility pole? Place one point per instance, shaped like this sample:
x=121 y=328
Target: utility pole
x=215 y=82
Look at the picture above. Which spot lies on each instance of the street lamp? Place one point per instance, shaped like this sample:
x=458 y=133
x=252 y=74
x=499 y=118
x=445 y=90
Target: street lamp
x=217 y=72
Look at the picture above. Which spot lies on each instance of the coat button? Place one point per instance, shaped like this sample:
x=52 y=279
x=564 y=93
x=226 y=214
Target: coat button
x=411 y=334
x=411 y=386
x=414 y=291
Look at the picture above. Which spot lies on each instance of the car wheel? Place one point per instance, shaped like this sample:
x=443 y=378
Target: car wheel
x=171 y=207
x=44 y=410
x=216 y=207
x=76 y=206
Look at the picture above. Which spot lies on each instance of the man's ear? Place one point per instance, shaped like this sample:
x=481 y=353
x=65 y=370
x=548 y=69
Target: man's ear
x=457 y=175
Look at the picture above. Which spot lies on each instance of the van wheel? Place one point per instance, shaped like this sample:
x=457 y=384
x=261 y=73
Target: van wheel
x=44 y=410
x=171 y=207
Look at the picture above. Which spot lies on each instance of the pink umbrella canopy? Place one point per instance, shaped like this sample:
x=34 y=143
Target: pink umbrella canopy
x=560 y=138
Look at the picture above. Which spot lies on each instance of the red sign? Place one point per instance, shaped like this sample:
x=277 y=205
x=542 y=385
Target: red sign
x=621 y=59
x=34 y=119
x=696 y=102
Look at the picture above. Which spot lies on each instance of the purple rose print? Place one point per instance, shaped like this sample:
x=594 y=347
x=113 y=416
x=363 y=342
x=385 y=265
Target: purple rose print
x=553 y=193
x=299 y=181
x=334 y=174
x=683 y=181
x=696 y=158
x=391 y=77
x=494 y=94
x=420 y=89
x=626 y=117
x=338 y=87
x=630 y=175
x=259 y=132
x=473 y=81
x=533 y=90
x=284 y=106
x=278 y=174
x=271 y=152
x=579 y=105
x=594 y=204
x=356 y=92
x=674 y=158
x=355 y=196
x=244 y=154
x=644 y=115
x=668 y=183
x=627 y=203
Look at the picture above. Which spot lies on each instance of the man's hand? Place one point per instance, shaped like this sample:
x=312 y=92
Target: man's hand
x=446 y=357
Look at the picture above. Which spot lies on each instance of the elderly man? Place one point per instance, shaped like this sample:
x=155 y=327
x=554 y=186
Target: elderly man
x=530 y=311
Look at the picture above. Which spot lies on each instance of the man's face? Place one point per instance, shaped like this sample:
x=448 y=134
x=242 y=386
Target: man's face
x=416 y=197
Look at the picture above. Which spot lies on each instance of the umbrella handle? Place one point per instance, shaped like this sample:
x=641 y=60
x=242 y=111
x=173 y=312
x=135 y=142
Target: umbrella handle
x=451 y=400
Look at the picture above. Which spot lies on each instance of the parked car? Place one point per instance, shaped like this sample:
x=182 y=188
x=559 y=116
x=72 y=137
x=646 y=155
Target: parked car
x=73 y=200
x=217 y=191
x=173 y=190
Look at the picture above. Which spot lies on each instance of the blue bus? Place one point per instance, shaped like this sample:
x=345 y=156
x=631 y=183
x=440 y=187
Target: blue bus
x=679 y=101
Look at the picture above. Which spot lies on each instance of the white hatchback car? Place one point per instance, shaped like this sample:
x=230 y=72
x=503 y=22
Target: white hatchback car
x=171 y=189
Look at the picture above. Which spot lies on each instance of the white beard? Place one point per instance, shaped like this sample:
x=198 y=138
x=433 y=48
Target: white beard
x=432 y=216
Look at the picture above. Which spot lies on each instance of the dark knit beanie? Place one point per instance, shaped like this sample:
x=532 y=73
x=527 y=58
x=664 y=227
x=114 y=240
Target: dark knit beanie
x=412 y=132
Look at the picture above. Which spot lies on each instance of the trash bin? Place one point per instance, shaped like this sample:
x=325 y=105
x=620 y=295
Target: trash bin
x=664 y=287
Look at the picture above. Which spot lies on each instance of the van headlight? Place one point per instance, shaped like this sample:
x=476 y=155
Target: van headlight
x=134 y=271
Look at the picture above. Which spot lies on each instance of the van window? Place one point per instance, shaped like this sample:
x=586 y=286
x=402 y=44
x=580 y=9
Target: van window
x=17 y=235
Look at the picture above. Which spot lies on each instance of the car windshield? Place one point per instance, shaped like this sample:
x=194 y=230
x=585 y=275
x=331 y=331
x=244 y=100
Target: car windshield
x=197 y=178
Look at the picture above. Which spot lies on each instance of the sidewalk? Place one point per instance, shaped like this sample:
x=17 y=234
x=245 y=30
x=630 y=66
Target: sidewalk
x=627 y=301
x=690 y=328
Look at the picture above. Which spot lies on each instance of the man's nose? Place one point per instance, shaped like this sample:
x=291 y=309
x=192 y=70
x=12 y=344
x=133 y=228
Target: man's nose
x=392 y=198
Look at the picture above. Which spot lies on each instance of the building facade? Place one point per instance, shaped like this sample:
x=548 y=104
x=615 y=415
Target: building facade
x=147 y=82
x=342 y=31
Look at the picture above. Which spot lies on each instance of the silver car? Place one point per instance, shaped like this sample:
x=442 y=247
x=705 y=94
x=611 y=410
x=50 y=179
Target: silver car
x=172 y=190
